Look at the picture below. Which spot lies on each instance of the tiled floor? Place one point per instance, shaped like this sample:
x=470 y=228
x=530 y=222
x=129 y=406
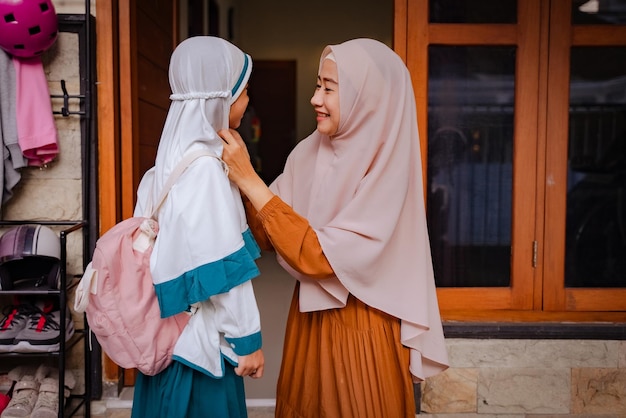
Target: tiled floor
x=253 y=412
x=120 y=408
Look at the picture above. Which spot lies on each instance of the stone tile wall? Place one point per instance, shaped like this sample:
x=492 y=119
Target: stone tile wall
x=529 y=378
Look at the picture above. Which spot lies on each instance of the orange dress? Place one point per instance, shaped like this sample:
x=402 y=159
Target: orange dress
x=337 y=363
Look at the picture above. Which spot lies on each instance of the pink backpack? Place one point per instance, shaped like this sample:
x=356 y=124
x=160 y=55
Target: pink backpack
x=117 y=294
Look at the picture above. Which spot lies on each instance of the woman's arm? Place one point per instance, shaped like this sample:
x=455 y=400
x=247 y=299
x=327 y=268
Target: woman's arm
x=256 y=226
x=294 y=239
x=289 y=233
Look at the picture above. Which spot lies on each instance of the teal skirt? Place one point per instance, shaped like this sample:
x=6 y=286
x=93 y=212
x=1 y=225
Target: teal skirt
x=182 y=392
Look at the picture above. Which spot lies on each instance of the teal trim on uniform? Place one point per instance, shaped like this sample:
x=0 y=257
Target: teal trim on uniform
x=245 y=345
x=210 y=279
x=251 y=245
x=242 y=75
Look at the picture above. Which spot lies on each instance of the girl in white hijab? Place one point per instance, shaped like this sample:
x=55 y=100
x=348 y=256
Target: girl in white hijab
x=203 y=258
x=347 y=220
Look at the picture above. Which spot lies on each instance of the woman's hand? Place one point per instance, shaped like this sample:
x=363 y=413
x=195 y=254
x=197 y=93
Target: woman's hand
x=236 y=156
x=251 y=365
x=240 y=169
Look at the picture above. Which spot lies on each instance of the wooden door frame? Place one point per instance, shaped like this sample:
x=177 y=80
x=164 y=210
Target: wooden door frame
x=560 y=298
x=117 y=104
x=109 y=133
x=117 y=128
x=543 y=300
x=419 y=34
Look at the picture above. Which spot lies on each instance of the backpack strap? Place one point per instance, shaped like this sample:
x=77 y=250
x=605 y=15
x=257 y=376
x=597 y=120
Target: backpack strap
x=86 y=286
x=178 y=170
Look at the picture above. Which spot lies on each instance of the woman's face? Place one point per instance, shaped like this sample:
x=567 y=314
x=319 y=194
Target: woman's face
x=237 y=109
x=325 y=100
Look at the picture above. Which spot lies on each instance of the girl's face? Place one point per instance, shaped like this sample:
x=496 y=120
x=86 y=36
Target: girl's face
x=325 y=100
x=237 y=109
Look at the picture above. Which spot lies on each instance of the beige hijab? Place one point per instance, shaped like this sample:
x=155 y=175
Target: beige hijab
x=361 y=191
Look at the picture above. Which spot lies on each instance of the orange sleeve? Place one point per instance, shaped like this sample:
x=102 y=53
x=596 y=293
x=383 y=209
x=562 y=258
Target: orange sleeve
x=256 y=227
x=293 y=238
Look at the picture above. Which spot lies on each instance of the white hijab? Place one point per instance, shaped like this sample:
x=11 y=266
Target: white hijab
x=362 y=192
x=203 y=218
x=207 y=74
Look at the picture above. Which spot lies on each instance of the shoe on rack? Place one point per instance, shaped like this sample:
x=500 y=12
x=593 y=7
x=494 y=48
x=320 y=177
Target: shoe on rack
x=41 y=334
x=47 y=405
x=25 y=396
x=16 y=373
x=14 y=322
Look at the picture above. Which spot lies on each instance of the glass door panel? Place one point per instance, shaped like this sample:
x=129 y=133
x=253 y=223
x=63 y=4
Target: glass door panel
x=471 y=95
x=595 y=252
x=585 y=229
x=474 y=71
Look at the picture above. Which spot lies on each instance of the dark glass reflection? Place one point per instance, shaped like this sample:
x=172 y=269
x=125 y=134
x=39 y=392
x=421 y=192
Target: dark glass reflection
x=470 y=154
x=472 y=11
x=599 y=12
x=596 y=191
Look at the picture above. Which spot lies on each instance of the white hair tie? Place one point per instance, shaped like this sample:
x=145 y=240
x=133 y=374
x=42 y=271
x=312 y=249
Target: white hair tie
x=199 y=95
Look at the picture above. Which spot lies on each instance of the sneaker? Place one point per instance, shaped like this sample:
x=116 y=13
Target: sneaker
x=17 y=373
x=25 y=396
x=47 y=405
x=13 y=323
x=41 y=334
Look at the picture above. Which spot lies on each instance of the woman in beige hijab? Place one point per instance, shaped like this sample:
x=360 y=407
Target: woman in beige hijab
x=347 y=220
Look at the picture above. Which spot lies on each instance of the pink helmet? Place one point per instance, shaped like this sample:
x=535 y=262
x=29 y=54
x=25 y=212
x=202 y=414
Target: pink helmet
x=27 y=27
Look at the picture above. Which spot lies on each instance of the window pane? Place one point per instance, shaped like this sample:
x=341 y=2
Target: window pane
x=473 y=11
x=596 y=191
x=599 y=12
x=470 y=154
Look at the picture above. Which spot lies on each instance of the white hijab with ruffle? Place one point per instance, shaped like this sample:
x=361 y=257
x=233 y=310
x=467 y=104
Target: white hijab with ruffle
x=362 y=192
